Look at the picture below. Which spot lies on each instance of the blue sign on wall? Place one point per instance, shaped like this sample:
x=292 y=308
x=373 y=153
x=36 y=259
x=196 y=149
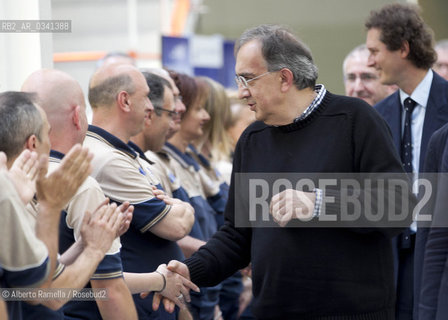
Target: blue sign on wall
x=201 y=60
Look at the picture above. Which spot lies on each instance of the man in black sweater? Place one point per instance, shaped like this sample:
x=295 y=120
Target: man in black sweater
x=301 y=273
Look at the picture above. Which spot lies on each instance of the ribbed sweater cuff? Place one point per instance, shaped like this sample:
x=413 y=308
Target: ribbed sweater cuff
x=333 y=207
x=197 y=271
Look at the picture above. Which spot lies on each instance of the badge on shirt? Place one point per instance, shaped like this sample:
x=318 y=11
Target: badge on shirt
x=172 y=177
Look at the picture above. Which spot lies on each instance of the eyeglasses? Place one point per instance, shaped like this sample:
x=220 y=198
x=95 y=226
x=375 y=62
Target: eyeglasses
x=243 y=82
x=171 y=113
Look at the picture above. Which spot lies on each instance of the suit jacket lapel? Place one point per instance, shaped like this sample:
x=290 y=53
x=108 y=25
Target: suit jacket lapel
x=392 y=115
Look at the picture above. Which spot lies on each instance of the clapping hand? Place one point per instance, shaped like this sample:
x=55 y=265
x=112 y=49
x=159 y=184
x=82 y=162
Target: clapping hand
x=23 y=173
x=56 y=189
x=127 y=210
x=99 y=229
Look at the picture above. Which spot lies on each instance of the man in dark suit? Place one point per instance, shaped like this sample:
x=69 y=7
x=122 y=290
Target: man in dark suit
x=434 y=284
x=401 y=49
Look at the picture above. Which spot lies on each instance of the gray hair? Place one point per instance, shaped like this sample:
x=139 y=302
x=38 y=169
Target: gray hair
x=442 y=44
x=362 y=48
x=282 y=49
x=106 y=92
x=19 y=119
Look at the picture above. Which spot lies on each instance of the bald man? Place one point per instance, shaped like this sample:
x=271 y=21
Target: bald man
x=63 y=100
x=362 y=81
x=118 y=95
x=24 y=126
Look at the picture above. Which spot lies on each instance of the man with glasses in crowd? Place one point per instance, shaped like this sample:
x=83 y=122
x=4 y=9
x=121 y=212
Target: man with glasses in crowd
x=158 y=126
x=312 y=273
x=118 y=95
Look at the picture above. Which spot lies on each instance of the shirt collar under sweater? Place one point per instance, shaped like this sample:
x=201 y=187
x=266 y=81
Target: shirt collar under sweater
x=320 y=93
x=304 y=122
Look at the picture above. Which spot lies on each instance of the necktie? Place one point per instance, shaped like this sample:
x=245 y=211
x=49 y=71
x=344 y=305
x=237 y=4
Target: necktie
x=406 y=142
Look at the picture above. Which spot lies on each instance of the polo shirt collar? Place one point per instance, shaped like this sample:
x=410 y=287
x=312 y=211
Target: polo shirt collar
x=98 y=133
x=56 y=155
x=140 y=152
x=201 y=158
x=185 y=159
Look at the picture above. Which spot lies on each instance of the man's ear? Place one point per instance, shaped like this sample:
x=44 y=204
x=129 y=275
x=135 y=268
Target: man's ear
x=287 y=79
x=76 y=117
x=31 y=143
x=124 y=102
x=404 y=50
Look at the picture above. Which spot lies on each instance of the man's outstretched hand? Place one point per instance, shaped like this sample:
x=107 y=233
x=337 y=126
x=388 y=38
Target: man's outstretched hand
x=180 y=272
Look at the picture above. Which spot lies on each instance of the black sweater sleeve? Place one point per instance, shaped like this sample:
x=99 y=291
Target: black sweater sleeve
x=374 y=156
x=229 y=249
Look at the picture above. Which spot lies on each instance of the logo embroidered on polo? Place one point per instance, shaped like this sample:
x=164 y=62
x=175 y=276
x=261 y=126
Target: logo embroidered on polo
x=151 y=174
x=172 y=177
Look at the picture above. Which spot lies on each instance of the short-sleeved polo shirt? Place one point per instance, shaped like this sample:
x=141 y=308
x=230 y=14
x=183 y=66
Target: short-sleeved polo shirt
x=124 y=174
x=167 y=177
x=24 y=260
x=87 y=198
x=215 y=187
x=188 y=172
x=23 y=257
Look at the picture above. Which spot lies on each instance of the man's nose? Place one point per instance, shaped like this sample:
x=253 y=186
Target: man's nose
x=243 y=92
x=370 y=61
x=358 y=84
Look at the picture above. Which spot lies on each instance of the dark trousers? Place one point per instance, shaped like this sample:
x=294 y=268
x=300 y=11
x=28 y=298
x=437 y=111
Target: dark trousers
x=404 y=245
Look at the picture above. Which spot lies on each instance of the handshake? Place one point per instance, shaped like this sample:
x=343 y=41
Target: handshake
x=176 y=288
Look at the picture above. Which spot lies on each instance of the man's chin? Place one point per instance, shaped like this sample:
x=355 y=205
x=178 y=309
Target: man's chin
x=171 y=132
